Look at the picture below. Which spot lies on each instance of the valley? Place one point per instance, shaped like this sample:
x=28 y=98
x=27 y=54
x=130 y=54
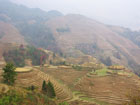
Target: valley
x=83 y=87
x=56 y=59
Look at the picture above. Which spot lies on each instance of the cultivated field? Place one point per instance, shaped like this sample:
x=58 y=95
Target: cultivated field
x=25 y=69
x=82 y=86
x=103 y=87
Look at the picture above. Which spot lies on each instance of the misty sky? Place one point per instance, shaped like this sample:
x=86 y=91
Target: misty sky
x=117 y=12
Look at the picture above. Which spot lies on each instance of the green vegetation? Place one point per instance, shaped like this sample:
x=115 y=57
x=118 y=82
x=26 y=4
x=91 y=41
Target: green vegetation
x=51 y=91
x=48 y=89
x=134 y=98
x=14 y=97
x=32 y=88
x=9 y=74
x=37 y=56
x=63 y=103
x=11 y=98
x=95 y=101
x=18 y=56
x=44 y=86
x=77 y=67
x=101 y=72
x=82 y=96
x=77 y=94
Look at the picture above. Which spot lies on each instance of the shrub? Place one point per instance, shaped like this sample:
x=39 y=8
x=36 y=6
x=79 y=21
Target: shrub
x=77 y=67
x=10 y=98
x=134 y=98
x=63 y=103
x=9 y=74
x=32 y=88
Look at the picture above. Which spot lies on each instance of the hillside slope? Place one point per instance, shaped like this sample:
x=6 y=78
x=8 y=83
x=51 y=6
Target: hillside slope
x=134 y=36
x=9 y=37
x=9 y=34
x=74 y=35
x=76 y=32
x=30 y=23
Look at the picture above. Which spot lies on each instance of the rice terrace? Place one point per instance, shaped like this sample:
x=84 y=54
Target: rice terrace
x=85 y=87
x=69 y=52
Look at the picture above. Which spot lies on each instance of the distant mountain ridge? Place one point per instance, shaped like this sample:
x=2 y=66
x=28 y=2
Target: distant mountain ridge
x=74 y=35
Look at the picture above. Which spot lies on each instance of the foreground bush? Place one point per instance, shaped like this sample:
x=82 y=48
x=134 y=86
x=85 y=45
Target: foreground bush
x=14 y=97
x=9 y=74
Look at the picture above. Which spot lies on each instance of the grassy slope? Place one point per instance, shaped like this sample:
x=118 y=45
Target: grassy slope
x=23 y=96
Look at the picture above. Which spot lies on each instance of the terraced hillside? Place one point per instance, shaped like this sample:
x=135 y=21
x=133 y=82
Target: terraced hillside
x=36 y=78
x=84 y=87
x=101 y=87
x=110 y=88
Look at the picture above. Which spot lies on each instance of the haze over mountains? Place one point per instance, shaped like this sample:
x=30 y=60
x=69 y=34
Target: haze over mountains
x=49 y=58
x=113 y=12
x=73 y=35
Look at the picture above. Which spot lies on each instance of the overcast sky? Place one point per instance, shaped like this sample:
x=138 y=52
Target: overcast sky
x=117 y=12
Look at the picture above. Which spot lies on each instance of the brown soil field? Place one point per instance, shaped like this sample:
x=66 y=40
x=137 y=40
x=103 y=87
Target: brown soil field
x=78 y=88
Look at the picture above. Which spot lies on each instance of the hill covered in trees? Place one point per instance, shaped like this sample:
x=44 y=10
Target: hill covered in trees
x=18 y=56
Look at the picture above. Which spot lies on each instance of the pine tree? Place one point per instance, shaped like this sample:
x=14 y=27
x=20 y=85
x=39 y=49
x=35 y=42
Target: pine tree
x=44 y=86
x=9 y=74
x=50 y=90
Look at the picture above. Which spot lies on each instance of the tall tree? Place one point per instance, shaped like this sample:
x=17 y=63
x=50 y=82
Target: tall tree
x=9 y=74
x=50 y=90
x=44 y=86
